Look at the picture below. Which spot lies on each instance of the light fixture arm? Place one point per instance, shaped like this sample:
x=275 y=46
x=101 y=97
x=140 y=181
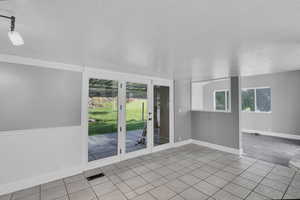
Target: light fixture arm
x=12 y=21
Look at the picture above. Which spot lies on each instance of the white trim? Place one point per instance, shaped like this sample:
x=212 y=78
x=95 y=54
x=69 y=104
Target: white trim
x=240 y=115
x=123 y=78
x=121 y=75
x=39 y=63
x=210 y=80
x=253 y=88
x=162 y=147
x=274 y=134
x=37 y=180
x=172 y=117
x=34 y=131
x=84 y=116
x=183 y=142
x=217 y=147
x=102 y=162
x=256 y=112
x=212 y=111
x=72 y=67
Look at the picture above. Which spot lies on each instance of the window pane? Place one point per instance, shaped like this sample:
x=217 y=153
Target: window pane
x=220 y=100
x=103 y=119
x=228 y=99
x=263 y=99
x=161 y=115
x=136 y=116
x=248 y=103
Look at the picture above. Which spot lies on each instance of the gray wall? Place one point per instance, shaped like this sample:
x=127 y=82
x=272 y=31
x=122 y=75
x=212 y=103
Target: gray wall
x=182 y=107
x=34 y=97
x=219 y=127
x=285 y=98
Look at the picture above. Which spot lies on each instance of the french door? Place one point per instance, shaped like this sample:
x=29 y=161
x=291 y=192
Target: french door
x=126 y=117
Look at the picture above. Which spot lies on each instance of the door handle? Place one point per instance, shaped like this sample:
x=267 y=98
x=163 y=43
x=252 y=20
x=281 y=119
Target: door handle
x=149 y=116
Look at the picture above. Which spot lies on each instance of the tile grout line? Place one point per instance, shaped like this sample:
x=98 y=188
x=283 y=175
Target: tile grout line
x=181 y=155
x=290 y=183
x=231 y=182
x=154 y=187
x=253 y=190
x=40 y=189
x=220 y=188
x=65 y=185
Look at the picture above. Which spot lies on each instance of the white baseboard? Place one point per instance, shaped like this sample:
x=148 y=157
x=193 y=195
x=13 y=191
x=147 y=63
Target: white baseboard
x=31 y=182
x=184 y=142
x=274 y=134
x=217 y=147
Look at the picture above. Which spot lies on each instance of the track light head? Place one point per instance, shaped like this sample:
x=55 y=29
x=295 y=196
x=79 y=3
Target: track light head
x=15 y=37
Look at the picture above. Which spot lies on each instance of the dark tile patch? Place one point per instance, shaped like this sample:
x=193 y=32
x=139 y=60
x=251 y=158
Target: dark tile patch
x=271 y=149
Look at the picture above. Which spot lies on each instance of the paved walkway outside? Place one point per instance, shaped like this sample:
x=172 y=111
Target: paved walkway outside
x=105 y=145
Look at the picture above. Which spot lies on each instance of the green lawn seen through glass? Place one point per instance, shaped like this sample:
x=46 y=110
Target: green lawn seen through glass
x=104 y=119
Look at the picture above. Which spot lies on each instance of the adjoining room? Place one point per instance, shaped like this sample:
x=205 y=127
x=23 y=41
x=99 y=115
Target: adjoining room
x=270 y=115
x=149 y=100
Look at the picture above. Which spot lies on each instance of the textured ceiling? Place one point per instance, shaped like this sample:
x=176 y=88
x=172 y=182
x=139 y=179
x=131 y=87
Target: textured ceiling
x=194 y=39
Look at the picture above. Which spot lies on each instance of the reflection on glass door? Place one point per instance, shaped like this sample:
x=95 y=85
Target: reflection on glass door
x=136 y=116
x=103 y=119
x=161 y=115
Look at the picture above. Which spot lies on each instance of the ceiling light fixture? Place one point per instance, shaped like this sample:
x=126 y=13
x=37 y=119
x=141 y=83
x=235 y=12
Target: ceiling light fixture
x=15 y=37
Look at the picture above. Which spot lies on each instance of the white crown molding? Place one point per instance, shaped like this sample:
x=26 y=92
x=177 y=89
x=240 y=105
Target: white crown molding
x=63 y=66
x=39 y=63
x=124 y=75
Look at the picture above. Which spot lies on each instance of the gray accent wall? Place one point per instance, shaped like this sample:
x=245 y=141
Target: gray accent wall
x=285 y=106
x=182 y=107
x=219 y=127
x=34 y=97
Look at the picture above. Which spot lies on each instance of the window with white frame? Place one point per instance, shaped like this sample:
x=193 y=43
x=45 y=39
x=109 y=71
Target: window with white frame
x=221 y=100
x=256 y=99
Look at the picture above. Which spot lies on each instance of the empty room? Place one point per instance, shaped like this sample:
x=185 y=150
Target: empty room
x=149 y=100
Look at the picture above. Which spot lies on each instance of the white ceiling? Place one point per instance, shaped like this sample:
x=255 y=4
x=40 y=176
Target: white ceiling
x=194 y=39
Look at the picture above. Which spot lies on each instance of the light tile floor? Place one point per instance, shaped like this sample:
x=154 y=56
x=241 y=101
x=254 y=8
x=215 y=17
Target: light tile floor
x=189 y=172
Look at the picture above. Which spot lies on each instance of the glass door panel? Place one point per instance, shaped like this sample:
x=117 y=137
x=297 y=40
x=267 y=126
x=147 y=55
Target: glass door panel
x=103 y=119
x=161 y=115
x=136 y=116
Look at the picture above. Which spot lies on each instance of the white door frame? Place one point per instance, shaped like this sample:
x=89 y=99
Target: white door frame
x=99 y=75
x=122 y=78
x=169 y=84
x=146 y=150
